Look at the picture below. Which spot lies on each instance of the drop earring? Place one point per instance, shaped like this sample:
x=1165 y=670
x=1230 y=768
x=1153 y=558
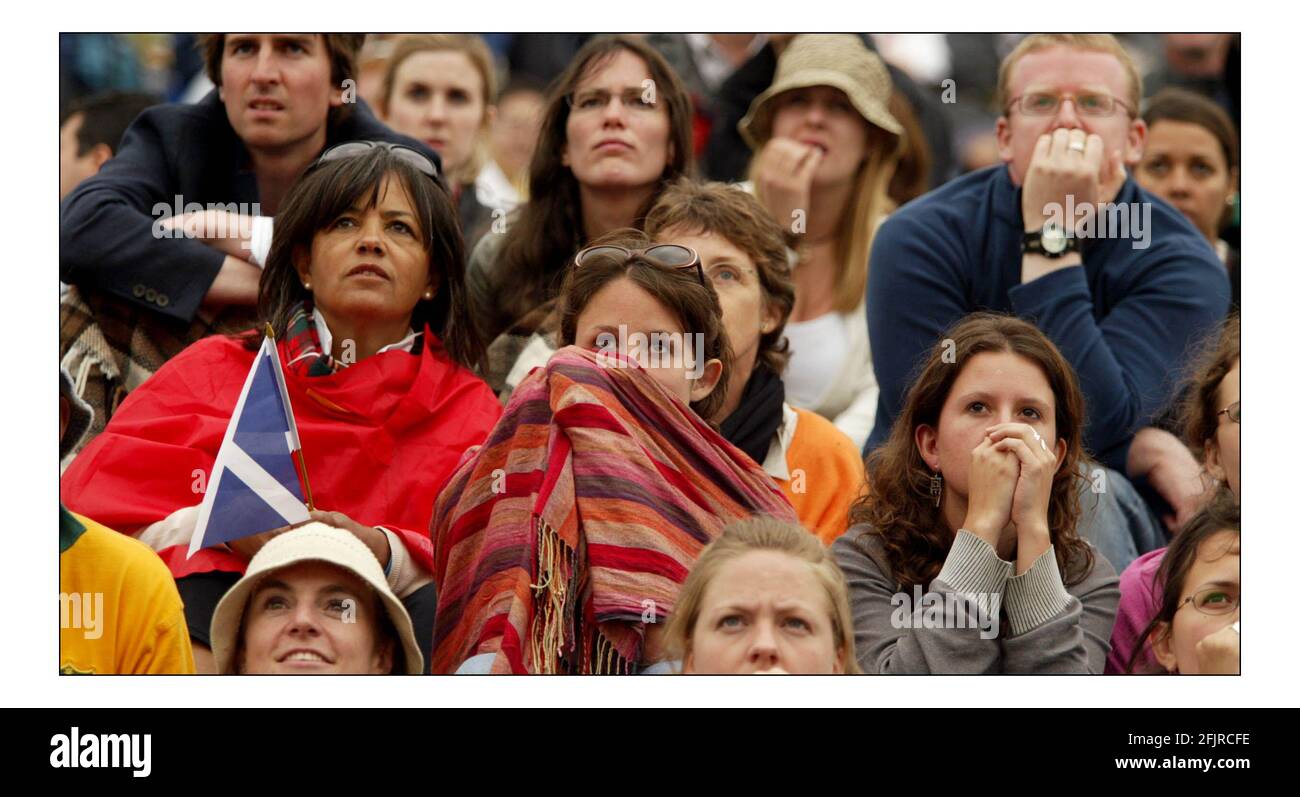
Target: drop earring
x=936 y=487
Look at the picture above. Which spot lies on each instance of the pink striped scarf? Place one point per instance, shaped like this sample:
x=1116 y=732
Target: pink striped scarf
x=579 y=518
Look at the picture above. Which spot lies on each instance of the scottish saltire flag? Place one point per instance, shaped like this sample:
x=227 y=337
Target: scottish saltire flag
x=254 y=486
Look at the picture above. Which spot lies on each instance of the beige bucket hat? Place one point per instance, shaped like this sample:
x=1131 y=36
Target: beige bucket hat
x=839 y=60
x=311 y=542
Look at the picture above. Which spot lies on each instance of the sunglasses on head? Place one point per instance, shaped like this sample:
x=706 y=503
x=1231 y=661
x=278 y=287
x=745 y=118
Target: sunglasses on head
x=667 y=255
x=352 y=149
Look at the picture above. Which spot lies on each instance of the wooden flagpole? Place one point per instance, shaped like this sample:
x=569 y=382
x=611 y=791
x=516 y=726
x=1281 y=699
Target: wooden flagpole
x=302 y=462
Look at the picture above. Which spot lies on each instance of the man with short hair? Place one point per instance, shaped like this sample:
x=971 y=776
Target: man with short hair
x=280 y=100
x=90 y=131
x=1123 y=288
x=139 y=284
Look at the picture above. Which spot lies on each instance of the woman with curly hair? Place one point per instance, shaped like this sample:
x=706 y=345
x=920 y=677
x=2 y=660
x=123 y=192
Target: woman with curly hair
x=965 y=557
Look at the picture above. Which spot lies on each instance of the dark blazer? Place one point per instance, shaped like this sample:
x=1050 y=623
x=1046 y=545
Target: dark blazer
x=171 y=154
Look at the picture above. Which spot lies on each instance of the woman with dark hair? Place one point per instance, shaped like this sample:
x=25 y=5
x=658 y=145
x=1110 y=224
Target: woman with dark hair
x=561 y=545
x=364 y=290
x=817 y=466
x=743 y=254
x=1196 y=629
x=972 y=518
x=1211 y=427
x=616 y=129
x=1191 y=161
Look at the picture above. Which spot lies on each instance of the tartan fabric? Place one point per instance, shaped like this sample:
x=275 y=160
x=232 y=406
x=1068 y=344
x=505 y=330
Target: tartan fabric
x=110 y=346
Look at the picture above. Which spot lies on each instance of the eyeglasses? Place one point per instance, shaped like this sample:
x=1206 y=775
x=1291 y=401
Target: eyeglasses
x=352 y=149
x=589 y=100
x=1041 y=103
x=672 y=256
x=1233 y=411
x=1214 y=600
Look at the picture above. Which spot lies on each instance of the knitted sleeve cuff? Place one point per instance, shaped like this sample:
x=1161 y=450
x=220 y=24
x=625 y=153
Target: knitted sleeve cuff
x=973 y=567
x=1035 y=596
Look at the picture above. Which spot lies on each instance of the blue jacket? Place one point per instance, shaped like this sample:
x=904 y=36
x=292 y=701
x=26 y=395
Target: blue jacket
x=1125 y=320
x=106 y=239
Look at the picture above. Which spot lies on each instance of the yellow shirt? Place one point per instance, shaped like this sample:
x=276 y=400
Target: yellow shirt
x=119 y=611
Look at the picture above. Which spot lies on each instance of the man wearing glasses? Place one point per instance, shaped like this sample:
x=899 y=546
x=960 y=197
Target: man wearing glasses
x=1122 y=311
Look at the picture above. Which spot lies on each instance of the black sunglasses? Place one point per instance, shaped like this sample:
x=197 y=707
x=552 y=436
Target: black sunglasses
x=666 y=255
x=408 y=155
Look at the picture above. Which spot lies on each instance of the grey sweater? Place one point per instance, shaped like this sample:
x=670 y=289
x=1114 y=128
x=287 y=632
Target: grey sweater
x=954 y=626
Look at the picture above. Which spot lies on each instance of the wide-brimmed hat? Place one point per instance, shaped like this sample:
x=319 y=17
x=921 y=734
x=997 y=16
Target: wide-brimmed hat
x=312 y=542
x=78 y=420
x=839 y=60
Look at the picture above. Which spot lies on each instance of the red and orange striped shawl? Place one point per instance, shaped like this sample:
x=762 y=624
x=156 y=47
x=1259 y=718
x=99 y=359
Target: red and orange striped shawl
x=580 y=517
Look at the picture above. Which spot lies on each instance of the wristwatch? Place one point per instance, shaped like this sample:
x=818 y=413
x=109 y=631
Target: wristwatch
x=1050 y=242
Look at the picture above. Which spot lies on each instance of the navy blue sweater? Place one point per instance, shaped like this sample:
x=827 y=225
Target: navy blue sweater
x=1125 y=320
x=106 y=225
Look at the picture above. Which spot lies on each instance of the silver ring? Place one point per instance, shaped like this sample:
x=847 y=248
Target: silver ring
x=1076 y=146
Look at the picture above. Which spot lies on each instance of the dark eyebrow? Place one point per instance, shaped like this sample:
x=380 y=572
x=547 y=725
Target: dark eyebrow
x=386 y=214
x=270 y=584
x=1035 y=402
x=306 y=40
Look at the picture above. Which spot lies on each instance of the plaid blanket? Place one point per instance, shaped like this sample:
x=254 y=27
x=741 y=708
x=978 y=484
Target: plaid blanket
x=578 y=519
x=110 y=346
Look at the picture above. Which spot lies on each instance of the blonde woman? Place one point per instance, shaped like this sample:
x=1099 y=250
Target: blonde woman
x=765 y=598
x=826 y=147
x=441 y=89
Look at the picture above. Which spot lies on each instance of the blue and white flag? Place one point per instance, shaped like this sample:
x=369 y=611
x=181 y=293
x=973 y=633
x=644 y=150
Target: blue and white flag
x=254 y=486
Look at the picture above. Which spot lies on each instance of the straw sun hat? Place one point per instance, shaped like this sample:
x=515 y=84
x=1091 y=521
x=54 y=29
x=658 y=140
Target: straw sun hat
x=839 y=60
x=311 y=542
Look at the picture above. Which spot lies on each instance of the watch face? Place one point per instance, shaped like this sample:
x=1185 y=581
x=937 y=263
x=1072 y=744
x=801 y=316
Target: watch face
x=1053 y=239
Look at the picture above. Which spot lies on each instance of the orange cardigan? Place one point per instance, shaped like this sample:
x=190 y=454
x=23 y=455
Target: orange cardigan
x=826 y=476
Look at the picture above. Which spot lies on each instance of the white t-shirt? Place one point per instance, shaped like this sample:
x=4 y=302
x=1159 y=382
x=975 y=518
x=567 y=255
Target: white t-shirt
x=818 y=349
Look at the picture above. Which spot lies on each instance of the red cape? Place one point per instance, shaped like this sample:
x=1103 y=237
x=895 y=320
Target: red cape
x=380 y=439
